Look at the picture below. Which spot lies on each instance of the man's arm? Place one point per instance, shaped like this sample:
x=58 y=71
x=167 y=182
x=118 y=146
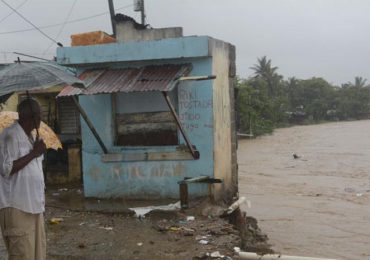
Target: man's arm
x=38 y=149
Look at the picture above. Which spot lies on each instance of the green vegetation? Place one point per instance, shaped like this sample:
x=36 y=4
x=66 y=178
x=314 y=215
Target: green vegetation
x=266 y=100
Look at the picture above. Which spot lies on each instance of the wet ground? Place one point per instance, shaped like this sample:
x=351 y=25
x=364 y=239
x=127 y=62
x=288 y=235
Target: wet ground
x=319 y=203
x=79 y=228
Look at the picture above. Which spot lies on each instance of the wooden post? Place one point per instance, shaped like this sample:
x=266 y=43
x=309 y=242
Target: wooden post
x=194 y=152
x=184 y=195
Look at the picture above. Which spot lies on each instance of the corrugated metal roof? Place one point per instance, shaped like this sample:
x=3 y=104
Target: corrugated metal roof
x=149 y=78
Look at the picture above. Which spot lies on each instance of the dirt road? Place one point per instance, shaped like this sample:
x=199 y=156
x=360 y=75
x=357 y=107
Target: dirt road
x=317 y=204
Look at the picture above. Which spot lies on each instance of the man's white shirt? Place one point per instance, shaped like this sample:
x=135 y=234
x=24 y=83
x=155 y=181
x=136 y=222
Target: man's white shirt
x=23 y=190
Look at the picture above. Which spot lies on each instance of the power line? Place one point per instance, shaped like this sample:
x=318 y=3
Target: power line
x=69 y=22
x=19 y=6
x=34 y=53
x=61 y=28
x=28 y=21
x=66 y=20
x=6 y=55
x=31 y=56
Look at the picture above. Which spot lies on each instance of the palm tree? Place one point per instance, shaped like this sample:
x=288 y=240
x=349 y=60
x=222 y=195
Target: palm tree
x=291 y=89
x=360 y=82
x=264 y=70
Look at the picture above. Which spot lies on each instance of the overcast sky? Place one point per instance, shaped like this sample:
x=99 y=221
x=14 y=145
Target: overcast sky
x=304 y=38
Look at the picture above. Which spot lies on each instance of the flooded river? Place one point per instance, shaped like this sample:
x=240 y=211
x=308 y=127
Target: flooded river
x=317 y=204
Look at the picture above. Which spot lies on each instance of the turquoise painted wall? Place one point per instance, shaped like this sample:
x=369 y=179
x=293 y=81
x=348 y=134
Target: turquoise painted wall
x=175 y=48
x=146 y=179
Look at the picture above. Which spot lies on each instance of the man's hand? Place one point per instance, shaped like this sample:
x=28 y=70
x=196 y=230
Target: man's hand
x=39 y=148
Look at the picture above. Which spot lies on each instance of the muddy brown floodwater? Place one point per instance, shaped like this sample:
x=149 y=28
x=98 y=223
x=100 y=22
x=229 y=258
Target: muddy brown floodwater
x=315 y=205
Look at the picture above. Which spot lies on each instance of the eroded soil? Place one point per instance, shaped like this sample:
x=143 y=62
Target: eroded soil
x=79 y=228
x=108 y=230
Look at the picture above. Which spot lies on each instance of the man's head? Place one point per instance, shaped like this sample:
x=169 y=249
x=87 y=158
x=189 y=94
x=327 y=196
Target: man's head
x=29 y=114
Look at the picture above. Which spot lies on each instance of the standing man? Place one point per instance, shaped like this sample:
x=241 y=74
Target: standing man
x=22 y=199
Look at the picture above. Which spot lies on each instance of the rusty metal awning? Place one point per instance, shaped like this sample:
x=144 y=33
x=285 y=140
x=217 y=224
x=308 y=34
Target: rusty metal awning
x=148 y=78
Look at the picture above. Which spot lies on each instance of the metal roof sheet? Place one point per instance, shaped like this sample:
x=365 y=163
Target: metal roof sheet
x=149 y=78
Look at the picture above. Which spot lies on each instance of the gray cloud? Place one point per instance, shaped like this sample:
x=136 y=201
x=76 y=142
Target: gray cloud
x=323 y=38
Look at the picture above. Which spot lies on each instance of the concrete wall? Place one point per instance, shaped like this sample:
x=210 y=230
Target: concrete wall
x=150 y=179
x=167 y=49
x=203 y=107
x=126 y=32
x=223 y=62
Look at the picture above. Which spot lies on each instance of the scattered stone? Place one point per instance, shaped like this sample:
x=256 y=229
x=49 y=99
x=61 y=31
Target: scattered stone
x=203 y=242
x=187 y=231
x=190 y=218
x=106 y=228
x=197 y=238
x=213 y=211
x=162 y=225
x=201 y=255
x=216 y=254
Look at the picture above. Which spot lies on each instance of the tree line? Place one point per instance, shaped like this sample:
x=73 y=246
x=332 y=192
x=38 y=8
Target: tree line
x=266 y=100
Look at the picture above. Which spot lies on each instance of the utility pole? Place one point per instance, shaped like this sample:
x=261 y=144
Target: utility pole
x=112 y=15
x=139 y=7
x=142 y=13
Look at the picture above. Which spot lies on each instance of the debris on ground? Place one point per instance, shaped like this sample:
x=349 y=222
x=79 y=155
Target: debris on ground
x=92 y=230
x=140 y=212
x=55 y=221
